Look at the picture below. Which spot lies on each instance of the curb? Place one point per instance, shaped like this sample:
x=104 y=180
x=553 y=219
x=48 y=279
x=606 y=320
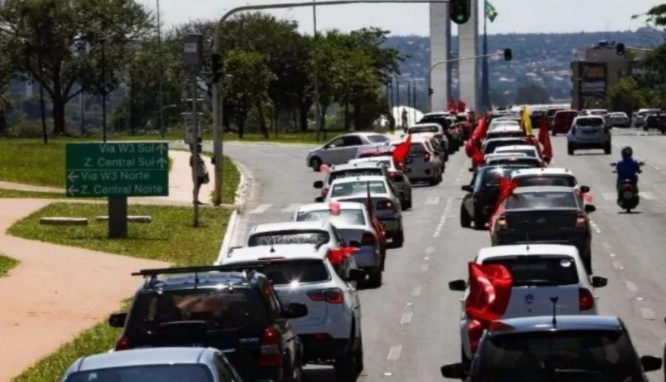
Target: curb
x=233 y=219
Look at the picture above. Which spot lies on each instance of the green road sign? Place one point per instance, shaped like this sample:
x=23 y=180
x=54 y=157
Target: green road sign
x=117 y=169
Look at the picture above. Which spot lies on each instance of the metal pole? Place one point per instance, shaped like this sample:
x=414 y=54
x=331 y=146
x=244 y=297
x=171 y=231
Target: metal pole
x=160 y=65
x=485 y=85
x=103 y=92
x=409 y=96
x=315 y=71
x=81 y=112
x=195 y=152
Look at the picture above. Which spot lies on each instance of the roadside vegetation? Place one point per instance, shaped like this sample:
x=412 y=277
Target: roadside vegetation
x=7 y=264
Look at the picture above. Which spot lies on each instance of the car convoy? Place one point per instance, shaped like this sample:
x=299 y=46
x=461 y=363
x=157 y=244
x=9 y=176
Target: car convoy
x=289 y=297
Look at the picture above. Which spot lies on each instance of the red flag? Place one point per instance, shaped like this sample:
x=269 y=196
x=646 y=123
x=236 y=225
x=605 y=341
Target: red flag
x=481 y=129
x=402 y=150
x=462 y=106
x=338 y=255
x=544 y=139
x=506 y=188
x=452 y=106
x=489 y=292
x=477 y=157
x=324 y=168
x=469 y=147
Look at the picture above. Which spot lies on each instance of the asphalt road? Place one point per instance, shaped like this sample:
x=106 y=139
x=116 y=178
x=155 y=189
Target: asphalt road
x=410 y=324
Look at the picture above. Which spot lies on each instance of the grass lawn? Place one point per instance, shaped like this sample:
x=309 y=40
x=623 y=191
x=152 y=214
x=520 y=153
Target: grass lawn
x=16 y=194
x=170 y=237
x=6 y=265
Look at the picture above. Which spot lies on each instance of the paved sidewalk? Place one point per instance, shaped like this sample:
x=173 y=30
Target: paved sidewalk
x=56 y=291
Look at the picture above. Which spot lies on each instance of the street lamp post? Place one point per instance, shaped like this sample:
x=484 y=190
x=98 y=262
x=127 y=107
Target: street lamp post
x=159 y=80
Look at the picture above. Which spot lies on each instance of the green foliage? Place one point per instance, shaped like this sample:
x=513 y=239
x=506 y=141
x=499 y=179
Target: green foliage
x=532 y=93
x=626 y=96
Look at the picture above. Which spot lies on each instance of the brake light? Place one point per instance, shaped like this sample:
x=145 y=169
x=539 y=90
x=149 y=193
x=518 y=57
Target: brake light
x=270 y=348
x=585 y=299
x=384 y=205
x=123 y=344
x=501 y=224
x=426 y=156
x=393 y=175
x=580 y=222
x=368 y=239
x=331 y=295
x=474 y=333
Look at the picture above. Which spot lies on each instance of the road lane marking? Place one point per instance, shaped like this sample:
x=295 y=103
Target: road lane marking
x=631 y=286
x=261 y=209
x=433 y=200
x=406 y=318
x=647 y=195
x=612 y=255
x=648 y=314
x=425 y=267
x=442 y=221
x=618 y=265
x=394 y=353
x=292 y=208
x=417 y=291
x=595 y=226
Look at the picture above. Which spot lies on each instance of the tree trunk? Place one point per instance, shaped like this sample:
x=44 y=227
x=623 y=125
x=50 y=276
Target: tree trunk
x=303 y=118
x=276 y=118
x=322 y=120
x=358 y=123
x=262 y=120
x=294 y=119
x=58 y=114
x=347 y=119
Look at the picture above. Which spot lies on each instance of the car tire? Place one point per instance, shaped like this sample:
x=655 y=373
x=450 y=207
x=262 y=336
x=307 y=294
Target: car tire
x=608 y=148
x=570 y=149
x=466 y=362
x=375 y=279
x=465 y=219
x=407 y=205
x=347 y=366
x=587 y=260
x=553 y=133
x=399 y=239
x=479 y=223
x=316 y=163
x=433 y=181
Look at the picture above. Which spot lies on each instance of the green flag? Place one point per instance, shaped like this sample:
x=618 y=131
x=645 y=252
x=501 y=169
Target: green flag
x=491 y=12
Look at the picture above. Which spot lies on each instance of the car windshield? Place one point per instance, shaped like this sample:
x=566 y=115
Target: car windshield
x=546 y=180
x=157 y=373
x=528 y=152
x=524 y=161
x=541 y=200
x=490 y=177
x=386 y=161
x=220 y=309
x=563 y=355
x=491 y=146
x=345 y=217
x=378 y=138
x=350 y=173
x=417 y=149
x=355 y=188
x=590 y=122
x=289 y=237
x=618 y=115
x=598 y=112
x=423 y=129
x=565 y=115
x=301 y=271
x=440 y=120
x=536 y=270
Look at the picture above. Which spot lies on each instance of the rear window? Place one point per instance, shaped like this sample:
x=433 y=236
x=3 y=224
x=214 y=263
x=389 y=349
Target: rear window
x=490 y=177
x=367 y=171
x=301 y=271
x=370 y=154
x=440 y=120
x=161 y=373
x=542 y=200
x=545 y=180
x=599 y=112
x=590 y=122
x=522 y=161
x=289 y=237
x=565 y=115
x=346 y=217
x=529 y=153
x=378 y=138
x=356 y=188
x=552 y=112
x=417 y=149
x=527 y=271
x=423 y=129
x=566 y=355
x=492 y=145
x=220 y=309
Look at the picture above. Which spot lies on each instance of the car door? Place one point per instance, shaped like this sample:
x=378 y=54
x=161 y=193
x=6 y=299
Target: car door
x=330 y=152
x=352 y=143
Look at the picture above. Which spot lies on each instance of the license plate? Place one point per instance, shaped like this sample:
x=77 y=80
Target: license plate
x=628 y=194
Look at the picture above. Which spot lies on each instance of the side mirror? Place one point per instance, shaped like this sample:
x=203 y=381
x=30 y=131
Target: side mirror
x=599 y=282
x=650 y=363
x=295 y=310
x=613 y=164
x=117 y=320
x=471 y=169
x=467 y=188
x=584 y=189
x=355 y=244
x=641 y=164
x=454 y=371
x=319 y=199
x=590 y=208
x=356 y=275
x=318 y=184
x=458 y=285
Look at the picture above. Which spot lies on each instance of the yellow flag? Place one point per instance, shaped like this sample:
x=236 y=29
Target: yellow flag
x=527 y=122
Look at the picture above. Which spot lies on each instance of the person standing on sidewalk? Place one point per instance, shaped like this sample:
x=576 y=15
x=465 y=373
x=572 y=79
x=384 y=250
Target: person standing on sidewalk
x=203 y=176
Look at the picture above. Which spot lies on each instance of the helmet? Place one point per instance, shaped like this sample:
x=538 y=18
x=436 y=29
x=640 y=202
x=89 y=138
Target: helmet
x=627 y=152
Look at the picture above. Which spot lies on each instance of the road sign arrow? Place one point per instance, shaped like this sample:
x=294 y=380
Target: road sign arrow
x=72 y=190
x=162 y=162
x=162 y=148
x=72 y=176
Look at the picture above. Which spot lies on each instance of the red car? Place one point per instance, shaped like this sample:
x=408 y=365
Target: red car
x=562 y=121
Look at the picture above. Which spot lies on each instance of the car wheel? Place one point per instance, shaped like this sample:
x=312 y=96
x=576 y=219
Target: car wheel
x=607 y=148
x=433 y=181
x=398 y=239
x=479 y=223
x=570 y=149
x=315 y=163
x=466 y=362
x=347 y=367
x=376 y=278
x=408 y=204
x=465 y=219
x=553 y=133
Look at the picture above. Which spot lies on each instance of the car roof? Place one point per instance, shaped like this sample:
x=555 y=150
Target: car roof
x=351 y=166
x=526 y=250
x=542 y=171
x=326 y=206
x=497 y=155
x=289 y=226
x=589 y=116
x=372 y=160
x=364 y=178
x=145 y=356
x=268 y=252
x=545 y=324
x=437 y=114
x=515 y=147
x=426 y=124
x=534 y=189
x=501 y=139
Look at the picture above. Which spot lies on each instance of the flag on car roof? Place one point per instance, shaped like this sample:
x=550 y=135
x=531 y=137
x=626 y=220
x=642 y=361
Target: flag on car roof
x=489 y=292
x=544 y=139
x=491 y=12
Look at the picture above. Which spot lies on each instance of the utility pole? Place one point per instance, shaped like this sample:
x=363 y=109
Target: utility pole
x=315 y=72
x=103 y=91
x=161 y=68
x=193 y=59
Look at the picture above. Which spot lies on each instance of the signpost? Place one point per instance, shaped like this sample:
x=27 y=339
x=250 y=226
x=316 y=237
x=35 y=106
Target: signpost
x=117 y=171
x=193 y=60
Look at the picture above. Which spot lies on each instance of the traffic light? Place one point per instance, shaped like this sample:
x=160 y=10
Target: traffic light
x=619 y=49
x=508 y=54
x=430 y=91
x=216 y=67
x=460 y=11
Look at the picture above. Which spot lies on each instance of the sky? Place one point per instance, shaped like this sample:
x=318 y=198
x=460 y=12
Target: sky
x=515 y=16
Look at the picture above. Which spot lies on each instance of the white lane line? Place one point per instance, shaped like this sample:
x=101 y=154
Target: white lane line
x=442 y=221
x=648 y=313
x=606 y=245
x=261 y=209
x=595 y=226
x=647 y=195
x=394 y=353
x=407 y=318
x=425 y=267
x=618 y=265
x=631 y=286
x=433 y=200
x=292 y=208
x=417 y=291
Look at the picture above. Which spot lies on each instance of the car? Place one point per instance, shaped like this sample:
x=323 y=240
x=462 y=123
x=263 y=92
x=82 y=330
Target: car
x=397 y=177
x=551 y=176
x=331 y=333
x=356 y=226
x=619 y=119
x=550 y=115
x=529 y=150
x=519 y=160
x=562 y=121
x=548 y=214
x=343 y=148
x=454 y=134
x=639 y=118
x=431 y=130
x=386 y=205
x=478 y=204
x=589 y=132
x=504 y=129
x=375 y=151
x=226 y=308
x=423 y=164
x=494 y=157
x=556 y=348
x=539 y=272
x=489 y=145
x=349 y=170
x=154 y=364
x=288 y=233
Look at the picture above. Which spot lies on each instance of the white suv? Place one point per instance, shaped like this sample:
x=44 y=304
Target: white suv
x=331 y=331
x=539 y=272
x=589 y=132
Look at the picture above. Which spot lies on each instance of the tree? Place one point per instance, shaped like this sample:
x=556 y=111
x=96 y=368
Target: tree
x=532 y=93
x=326 y=58
x=626 y=95
x=42 y=37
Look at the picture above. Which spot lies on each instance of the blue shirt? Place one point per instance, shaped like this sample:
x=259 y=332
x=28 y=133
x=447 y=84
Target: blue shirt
x=627 y=169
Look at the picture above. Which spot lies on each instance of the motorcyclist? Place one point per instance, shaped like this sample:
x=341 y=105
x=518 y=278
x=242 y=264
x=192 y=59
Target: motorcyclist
x=627 y=168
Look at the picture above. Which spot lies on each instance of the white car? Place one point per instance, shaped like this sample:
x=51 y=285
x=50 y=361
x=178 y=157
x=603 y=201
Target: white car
x=504 y=129
x=429 y=129
x=343 y=148
x=551 y=176
x=399 y=179
x=540 y=272
x=287 y=233
x=528 y=150
x=423 y=164
x=386 y=204
x=495 y=156
x=355 y=225
x=619 y=119
x=331 y=331
x=589 y=132
x=490 y=145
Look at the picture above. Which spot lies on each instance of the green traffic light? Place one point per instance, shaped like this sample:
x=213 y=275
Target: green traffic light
x=460 y=17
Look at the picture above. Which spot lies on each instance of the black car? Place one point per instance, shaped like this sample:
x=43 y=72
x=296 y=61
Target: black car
x=442 y=119
x=478 y=205
x=223 y=307
x=545 y=215
x=556 y=348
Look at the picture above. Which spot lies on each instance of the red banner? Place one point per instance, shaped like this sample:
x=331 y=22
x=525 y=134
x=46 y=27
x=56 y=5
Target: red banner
x=402 y=150
x=489 y=292
x=544 y=139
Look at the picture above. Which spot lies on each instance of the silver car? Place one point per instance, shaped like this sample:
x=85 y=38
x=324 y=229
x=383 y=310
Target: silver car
x=423 y=164
x=384 y=200
x=343 y=148
x=318 y=233
x=589 y=132
x=348 y=170
x=619 y=119
x=398 y=178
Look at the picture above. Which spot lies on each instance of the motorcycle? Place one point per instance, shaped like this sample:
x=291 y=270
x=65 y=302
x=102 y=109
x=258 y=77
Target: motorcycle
x=629 y=196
